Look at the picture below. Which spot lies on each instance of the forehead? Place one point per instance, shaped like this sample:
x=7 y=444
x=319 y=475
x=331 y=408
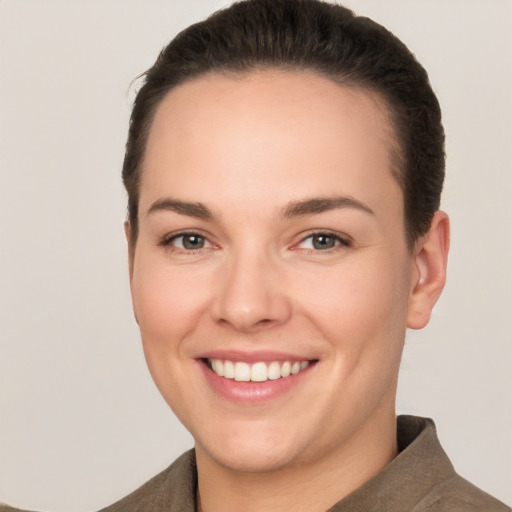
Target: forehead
x=297 y=94
x=268 y=127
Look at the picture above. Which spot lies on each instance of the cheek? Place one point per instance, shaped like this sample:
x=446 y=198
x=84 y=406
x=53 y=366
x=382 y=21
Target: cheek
x=168 y=306
x=167 y=303
x=361 y=307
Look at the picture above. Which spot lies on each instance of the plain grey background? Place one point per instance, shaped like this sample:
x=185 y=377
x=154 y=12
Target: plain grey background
x=81 y=423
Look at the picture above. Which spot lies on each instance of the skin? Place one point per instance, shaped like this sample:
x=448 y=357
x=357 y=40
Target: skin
x=246 y=149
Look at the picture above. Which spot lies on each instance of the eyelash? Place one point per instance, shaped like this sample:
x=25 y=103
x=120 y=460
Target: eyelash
x=339 y=241
x=167 y=241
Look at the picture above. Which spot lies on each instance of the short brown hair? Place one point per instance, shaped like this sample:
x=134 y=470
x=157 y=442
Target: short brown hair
x=306 y=35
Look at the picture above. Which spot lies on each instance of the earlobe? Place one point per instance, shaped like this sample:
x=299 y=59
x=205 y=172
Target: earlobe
x=430 y=260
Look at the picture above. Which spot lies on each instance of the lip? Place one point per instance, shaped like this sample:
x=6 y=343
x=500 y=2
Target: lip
x=264 y=356
x=252 y=392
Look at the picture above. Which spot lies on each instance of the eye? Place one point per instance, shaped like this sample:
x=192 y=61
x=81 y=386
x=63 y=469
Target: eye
x=186 y=242
x=190 y=242
x=323 y=241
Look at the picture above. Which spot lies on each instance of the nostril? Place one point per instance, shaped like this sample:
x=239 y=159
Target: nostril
x=246 y=306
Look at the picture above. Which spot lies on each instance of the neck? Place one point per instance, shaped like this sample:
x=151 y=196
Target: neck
x=314 y=486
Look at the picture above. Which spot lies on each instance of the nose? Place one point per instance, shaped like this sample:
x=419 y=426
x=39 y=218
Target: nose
x=252 y=294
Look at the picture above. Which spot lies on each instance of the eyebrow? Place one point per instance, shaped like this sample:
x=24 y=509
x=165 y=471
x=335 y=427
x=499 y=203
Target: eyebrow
x=310 y=206
x=317 y=205
x=198 y=210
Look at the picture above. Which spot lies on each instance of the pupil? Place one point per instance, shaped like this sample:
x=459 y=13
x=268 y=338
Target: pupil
x=193 y=242
x=323 y=242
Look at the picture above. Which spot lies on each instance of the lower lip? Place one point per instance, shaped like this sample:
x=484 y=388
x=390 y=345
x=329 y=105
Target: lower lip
x=252 y=392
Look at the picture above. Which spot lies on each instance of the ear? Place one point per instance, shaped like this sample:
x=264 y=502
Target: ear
x=429 y=276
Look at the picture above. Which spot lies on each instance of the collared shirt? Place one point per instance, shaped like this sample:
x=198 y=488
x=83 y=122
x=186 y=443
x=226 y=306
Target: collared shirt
x=420 y=478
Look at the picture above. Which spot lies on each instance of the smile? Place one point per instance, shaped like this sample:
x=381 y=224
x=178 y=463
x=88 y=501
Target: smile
x=257 y=372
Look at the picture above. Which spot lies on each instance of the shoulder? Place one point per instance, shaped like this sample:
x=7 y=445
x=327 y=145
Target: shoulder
x=459 y=495
x=434 y=484
x=171 y=490
x=422 y=478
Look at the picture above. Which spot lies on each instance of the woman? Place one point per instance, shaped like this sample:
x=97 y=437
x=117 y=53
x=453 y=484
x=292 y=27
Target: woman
x=284 y=168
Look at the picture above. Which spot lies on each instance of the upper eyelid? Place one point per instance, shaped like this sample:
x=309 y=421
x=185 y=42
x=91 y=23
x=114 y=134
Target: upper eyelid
x=169 y=237
x=343 y=237
x=327 y=232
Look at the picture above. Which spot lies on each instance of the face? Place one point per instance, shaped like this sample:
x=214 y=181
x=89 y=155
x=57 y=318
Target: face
x=271 y=278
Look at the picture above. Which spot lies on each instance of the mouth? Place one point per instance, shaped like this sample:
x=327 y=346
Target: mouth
x=260 y=371
x=252 y=378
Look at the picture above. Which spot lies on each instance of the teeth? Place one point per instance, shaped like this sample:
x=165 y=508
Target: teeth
x=242 y=372
x=274 y=370
x=229 y=370
x=258 y=372
x=286 y=369
x=218 y=367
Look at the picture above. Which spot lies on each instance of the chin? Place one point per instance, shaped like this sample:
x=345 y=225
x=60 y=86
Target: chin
x=252 y=453
x=252 y=461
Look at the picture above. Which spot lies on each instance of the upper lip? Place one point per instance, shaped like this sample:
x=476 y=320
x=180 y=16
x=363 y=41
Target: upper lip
x=265 y=356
